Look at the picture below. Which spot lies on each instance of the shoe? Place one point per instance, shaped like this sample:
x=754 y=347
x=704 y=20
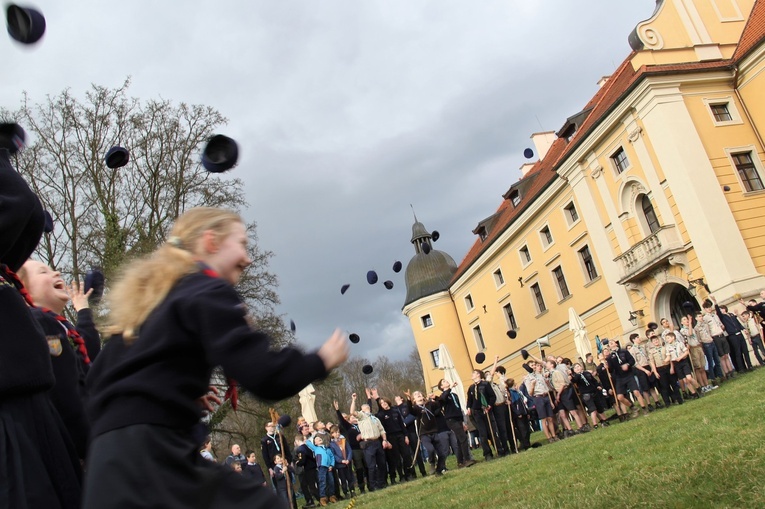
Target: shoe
x=469 y=463
x=595 y=427
x=309 y=505
x=392 y=482
x=635 y=412
x=659 y=405
x=323 y=501
x=460 y=465
x=585 y=429
x=651 y=408
x=713 y=387
x=431 y=470
x=645 y=412
x=604 y=424
x=361 y=489
x=488 y=458
x=332 y=499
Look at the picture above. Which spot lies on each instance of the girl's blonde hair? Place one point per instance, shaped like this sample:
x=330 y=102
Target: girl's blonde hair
x=144 y=283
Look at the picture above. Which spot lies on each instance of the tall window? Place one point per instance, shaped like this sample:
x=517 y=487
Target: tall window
x=620 y=160
x=561 y=280
x=434 y=357
x=721 y=112
x=546 y=236
x=479 y=338
x=510 y=316
x=650 y=215
x=427 y=321
x=588 y=262
x=747 y=171
x=469 y=302
x=571 y=214
x=499 y=280
x=525 y=255
x=540 y=301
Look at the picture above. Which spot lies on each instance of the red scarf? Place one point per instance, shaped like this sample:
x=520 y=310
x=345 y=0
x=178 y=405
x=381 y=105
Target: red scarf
x=232 y=393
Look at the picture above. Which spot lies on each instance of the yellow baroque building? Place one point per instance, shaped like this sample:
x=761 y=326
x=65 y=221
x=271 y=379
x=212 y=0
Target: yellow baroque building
x=652 y=193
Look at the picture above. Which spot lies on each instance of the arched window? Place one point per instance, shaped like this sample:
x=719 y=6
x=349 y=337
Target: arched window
x=649 y=214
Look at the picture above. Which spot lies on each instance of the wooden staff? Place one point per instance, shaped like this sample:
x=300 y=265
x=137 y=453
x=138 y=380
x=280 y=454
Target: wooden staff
x=276 y=420
x=613 y=389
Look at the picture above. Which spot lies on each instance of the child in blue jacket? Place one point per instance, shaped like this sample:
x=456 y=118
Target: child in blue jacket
x=325 y=462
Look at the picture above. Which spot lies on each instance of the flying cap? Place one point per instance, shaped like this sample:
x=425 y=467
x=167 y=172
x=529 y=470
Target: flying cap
x=426 y=248
x=284 y=421
x=117 y=157
x=25 y=25
x=367 y=369
x=354 y=338
x=397 y=267
x=525 y=354
x=220 y=154
x=94 y=279
x=388 y=284
x=48 y=228
x=344 y=289
x=293 y=327
x=528 y=153
x=527 y=367
x=435 y=235
x=371 y=277
x=480 y=357
x=726 y=188
x=12 y=137
x=512 y=334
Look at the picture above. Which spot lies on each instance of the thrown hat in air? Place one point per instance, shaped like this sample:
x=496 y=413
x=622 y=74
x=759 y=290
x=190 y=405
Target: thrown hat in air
x=117 y=157
x=48 y=227
x=397 y=267
x=25 y=25
x=220 y=154
x=435 y=235
x=527 y=367
x=528 y=153
x=525 y=354
x=354 y=338
x=367 y=369
x=480 y=357
x=344 y=289
x=12 y=137
x=512 y=334
x=371 y=277
x=293 y=327
x=388 y=284
x=426 y=248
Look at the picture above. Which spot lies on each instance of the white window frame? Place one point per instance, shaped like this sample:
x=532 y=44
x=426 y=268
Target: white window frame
x=585 y=272
x=469 y=304
x=425 y=317
x=480 y=343
x=497 y=275
x=543 y=240
x=524 y=262
x=567 y=214
x=534 y=298
x=612 y=160
x=732 y=110
x=556 y=283
x=510 y=324
x=433 y=357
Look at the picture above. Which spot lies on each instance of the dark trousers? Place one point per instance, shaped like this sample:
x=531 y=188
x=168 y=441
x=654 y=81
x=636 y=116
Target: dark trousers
x=522 y=430
x=413 y=445
x=502 y=418
x=360 y=467
x=483 y=421
x=344 y=477
x=714 y=368
x=735 y=351
x=759 y=349
x=375 y=460
x=461 y=449
x=668 y=387
x=747 y=364
x=437 y=445
x=309 y=484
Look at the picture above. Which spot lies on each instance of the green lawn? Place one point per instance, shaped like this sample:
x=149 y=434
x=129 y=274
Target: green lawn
x=705 y=453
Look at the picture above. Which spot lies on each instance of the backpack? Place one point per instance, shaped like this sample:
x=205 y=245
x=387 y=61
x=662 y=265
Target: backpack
x=517 y=406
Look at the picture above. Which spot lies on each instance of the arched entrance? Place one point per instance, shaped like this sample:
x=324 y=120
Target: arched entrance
x=669 y=303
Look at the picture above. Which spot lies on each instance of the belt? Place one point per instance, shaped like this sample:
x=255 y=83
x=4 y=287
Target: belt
x=500 y=404
x=370 y=439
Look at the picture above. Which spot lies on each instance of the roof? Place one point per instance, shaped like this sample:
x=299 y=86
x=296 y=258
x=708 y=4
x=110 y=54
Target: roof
x=607 y=98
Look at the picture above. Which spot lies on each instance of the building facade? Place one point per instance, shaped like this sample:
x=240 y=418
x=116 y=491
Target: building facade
x=642 y=201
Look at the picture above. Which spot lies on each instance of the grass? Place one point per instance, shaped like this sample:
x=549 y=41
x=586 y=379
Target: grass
x=705 y=453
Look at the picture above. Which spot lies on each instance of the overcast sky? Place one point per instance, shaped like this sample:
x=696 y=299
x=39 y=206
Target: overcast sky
x=346 y=112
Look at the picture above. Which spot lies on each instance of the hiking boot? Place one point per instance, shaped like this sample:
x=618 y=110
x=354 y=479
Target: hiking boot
x=469 y=463
x=659 y=405
x=585 y=429
x=651 y=408
x=332 y=499
x=323 y=501
x=645 y=412
x=635 y=412
x=604 y=424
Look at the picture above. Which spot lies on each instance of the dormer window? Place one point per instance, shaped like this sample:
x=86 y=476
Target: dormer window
x=515 y=198
x=482 y=233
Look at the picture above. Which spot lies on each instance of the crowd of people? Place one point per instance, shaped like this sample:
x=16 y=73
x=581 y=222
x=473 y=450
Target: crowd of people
x=388 y=440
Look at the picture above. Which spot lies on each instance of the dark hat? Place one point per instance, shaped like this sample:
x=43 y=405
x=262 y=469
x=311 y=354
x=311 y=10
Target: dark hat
x=688 y=308
x=527 y=367
x=512 y=334
x=25 y=24
x=524 y=354
x=528 y=153
x=426 y=248
x=344 y=289
x=117 y=157
x=367 y=369
x=94 y=279
x=354 y=338
x=371 y=277
x=12 y=137
x=220 y=154
x=293 y=327
x=726 y=188
x=604 y=342
x=48 y=228
x=284 y=421
x=435 y=235
x=480 y=357
x=397 y=267
x=653 y=325
x=388 y=284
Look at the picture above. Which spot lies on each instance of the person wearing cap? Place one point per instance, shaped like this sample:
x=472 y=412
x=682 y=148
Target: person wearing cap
x=46 y=471
x=643 y=370
x=539 y=390
x=371 y=431
x=480 y=401
x=622 y=367
x=660 y=366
